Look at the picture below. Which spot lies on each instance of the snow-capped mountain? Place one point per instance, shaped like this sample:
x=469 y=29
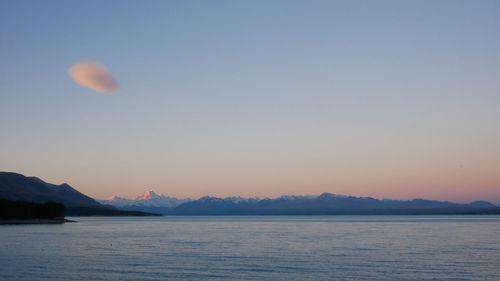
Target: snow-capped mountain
x=149 y=199
x=148 y=195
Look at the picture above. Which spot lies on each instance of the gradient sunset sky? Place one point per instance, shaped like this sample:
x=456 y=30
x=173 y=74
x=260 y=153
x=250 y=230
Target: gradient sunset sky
x=389 y=99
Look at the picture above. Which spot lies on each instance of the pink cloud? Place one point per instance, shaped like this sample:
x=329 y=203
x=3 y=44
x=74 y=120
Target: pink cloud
x=93 y=75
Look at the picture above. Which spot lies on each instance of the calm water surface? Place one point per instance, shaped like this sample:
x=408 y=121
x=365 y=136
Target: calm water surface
x=255 y=248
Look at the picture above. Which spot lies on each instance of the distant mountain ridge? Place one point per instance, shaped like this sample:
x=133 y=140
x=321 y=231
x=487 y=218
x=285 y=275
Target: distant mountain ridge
x=323 y=204
x=148 y=198
x=16 y=187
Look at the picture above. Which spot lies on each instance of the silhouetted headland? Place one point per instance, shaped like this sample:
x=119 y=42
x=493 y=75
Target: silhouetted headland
x=32 y=190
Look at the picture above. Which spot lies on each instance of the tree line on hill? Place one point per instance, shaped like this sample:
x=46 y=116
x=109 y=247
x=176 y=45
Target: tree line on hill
x=12 y=210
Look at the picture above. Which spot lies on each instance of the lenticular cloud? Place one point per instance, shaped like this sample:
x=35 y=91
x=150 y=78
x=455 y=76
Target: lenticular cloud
x=94 y=75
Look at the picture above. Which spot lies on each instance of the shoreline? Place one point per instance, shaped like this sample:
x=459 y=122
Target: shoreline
x=36 y=221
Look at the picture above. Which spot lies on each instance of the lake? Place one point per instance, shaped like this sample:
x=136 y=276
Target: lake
x=254 y=248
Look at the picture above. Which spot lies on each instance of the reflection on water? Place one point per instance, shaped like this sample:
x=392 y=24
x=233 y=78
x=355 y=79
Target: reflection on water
x=255 y=248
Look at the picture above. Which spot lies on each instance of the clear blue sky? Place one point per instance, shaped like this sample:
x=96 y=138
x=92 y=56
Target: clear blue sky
x=395 y=99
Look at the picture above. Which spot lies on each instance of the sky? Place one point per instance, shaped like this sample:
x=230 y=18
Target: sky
x=388 y=99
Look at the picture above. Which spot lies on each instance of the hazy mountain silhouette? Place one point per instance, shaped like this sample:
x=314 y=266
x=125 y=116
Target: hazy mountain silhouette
x=16 y=187
x=323 y=204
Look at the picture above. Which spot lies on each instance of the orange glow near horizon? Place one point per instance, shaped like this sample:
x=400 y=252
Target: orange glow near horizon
x=443 y=180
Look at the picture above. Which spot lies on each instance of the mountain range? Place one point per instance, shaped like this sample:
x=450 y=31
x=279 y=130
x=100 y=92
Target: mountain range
x=324 y=204
x=16 y=187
